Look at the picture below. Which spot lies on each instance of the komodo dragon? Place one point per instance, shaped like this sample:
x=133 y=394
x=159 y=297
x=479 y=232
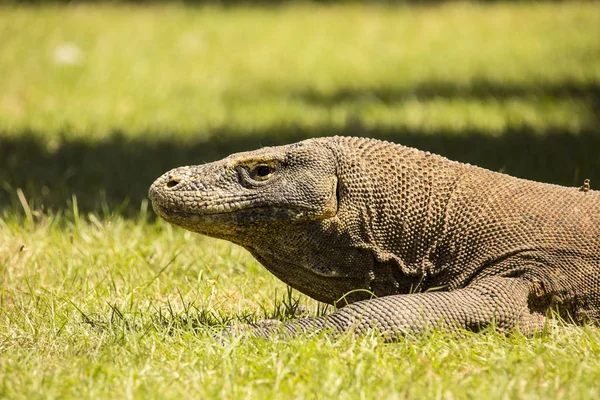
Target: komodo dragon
x=408 y=239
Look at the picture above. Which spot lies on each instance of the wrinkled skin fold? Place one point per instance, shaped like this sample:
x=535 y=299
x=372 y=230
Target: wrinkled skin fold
x=409 y=239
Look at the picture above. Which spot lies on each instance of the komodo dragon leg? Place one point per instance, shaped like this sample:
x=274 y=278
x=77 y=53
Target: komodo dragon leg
x=494 y=300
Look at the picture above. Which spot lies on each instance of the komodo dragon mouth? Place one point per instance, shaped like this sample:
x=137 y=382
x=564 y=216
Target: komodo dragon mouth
x=198 y=214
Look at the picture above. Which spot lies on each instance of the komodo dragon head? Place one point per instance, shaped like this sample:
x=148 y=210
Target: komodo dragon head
x=280 y=203
x=247 y=196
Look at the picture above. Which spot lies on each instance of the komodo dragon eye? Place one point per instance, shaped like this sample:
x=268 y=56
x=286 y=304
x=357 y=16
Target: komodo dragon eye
x=261 y=172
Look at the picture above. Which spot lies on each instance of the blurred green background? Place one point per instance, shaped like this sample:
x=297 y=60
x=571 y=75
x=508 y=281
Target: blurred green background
x=97 y=100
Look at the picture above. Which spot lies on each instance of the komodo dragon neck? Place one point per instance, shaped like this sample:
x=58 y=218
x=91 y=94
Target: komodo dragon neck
x=379 y=185
x=383 y=184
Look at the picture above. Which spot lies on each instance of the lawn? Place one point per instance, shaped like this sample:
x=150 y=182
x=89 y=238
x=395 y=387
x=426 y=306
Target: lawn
x=98 y=299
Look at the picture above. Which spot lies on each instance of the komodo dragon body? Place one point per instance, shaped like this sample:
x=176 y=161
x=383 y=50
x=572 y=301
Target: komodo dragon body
x=408 y=239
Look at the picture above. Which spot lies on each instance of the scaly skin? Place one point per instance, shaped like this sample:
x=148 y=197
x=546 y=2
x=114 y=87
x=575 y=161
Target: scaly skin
x=435 y=241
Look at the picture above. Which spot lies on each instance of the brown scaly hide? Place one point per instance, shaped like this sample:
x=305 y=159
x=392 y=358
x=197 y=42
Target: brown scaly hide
x=408 y=238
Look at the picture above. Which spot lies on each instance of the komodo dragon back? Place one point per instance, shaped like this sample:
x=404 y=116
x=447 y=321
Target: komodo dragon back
x=406 y=238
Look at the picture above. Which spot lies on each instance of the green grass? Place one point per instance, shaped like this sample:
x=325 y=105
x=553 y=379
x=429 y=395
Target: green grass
x=99 y=299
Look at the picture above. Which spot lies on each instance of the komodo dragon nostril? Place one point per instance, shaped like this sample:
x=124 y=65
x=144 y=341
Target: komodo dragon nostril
x=173 y=181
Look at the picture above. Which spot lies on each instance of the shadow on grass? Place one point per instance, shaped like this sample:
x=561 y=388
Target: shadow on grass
x=480 y=89
x=114 y=175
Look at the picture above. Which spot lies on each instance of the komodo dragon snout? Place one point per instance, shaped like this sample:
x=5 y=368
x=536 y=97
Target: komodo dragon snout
x=436 y=242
